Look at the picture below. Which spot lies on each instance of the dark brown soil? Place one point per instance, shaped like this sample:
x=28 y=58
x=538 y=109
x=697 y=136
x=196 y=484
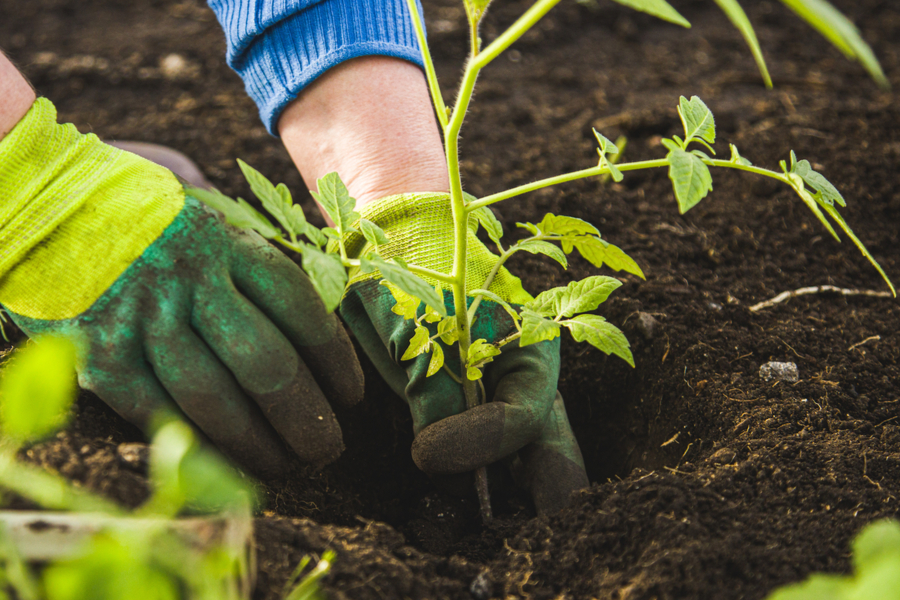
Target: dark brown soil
x=709 y=481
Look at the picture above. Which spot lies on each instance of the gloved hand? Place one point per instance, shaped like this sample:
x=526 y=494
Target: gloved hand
x=527 y=412
x=170 y=310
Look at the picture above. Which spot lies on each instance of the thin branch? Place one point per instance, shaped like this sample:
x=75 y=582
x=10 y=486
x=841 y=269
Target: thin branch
x=433 y=86
x=819 y=289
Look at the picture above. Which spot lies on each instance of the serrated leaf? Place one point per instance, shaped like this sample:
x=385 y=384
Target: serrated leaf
x=480 y=353
x=599 y=252
x=237 y=213
x=697 y=119
x=841 y=32
x=657 y=8
x=739 y=19
x=315 y=235
x=546 y=248
x=407 y=305
x=335 y=199
x=601 y=334
x=817 y=181
x=736 y=157
x=406 y=280
x=577 y=297
x=536 y=328
x=448 y=330
x=690 y=178
x=562 y=225
x=485 y=217
x=276 y=200
x=373 y=233
x=437 y=360
x=418 y=344
x=530 y=227
x=327 y=274
x=606 y=146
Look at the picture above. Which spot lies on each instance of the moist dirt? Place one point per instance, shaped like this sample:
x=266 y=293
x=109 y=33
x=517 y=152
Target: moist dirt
x=708 y=481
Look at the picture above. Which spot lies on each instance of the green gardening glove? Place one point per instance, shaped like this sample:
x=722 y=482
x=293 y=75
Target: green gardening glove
x=171 y=311
x=526 y=415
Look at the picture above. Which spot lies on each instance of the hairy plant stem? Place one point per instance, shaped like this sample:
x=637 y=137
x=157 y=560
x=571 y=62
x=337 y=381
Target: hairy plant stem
x=431 y=76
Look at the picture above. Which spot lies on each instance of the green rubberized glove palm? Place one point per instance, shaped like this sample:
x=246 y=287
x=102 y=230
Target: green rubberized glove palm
x=181 y=315
x=526 y=414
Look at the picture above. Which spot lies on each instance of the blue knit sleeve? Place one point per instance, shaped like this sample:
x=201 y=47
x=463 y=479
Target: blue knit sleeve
x=278 y=47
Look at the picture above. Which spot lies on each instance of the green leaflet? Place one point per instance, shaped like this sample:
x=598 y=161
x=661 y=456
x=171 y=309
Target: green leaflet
x=335 y=199
x=419 y=344
x=37 y=389
x=373 y=233
x=658 y=8
x=599 y=252
x=485 y=217
x=841 y=32
x=448 y=330
x=600 y=334
x=406 y=280
x=699 y=123
x=607 y=147
x=826 y=191
x=437 y=360
x=541 y=247
x=239 y=214
x=877 y=541
x=481 y=353
x=536 y=328
x=577 y=297
x=407 y=305
x=562 y=225
x=327 y=274
x=276 y=201
x=690 y=178
x=738 y=18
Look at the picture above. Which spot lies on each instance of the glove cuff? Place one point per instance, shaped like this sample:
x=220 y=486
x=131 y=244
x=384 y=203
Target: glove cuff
x=420 y=231
x=74 y=214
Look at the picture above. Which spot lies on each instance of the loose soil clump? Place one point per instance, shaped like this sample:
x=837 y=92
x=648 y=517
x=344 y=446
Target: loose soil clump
x=709 y=481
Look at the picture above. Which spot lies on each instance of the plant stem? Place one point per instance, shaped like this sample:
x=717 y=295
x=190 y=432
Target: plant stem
x=433 y=86
x=515 y=31
x=490 y=279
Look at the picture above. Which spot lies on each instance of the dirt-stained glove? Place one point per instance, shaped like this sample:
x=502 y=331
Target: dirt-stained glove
x=170 y=310
x=526 y=414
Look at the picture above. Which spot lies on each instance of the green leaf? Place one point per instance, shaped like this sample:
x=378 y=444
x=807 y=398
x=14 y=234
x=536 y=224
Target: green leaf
x=480 y=353
x=606 y=146
x=736 y=157
x=841 y=32
x=437 y=360
x=407 y=305
x=297 y=220
x=672 y=145
x=327 y=274
x=239 y=214
x=448 y=330
x=418 y=344
x=406 y=280
x=876 y=541
x=600 y=334
x=486 y=218
x=37 y=389
x=697 y=119
x=600 y=252
x=536 y=328
x=577 y=297
x=562 y=225
x=373 y=233
x=541 y=247
x=276 y=201
x=817 y=587
x=739 y=19
x=475 y=9
x=315 y=235
x=530 y=227
x=817 y=181
x=657 y=8
x=335 y=199
x=690 y=178
x=473 y=373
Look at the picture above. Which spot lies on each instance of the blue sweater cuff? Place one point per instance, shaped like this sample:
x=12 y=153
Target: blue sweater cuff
x=278 y=47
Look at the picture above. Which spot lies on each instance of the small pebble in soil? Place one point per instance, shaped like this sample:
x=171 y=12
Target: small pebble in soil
x=780 y=371
x=482 y=587
x=647 y=325
x=723 y=456
x=134 y=455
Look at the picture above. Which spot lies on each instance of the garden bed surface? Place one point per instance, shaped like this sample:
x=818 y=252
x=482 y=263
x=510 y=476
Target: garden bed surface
x=708 y=482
